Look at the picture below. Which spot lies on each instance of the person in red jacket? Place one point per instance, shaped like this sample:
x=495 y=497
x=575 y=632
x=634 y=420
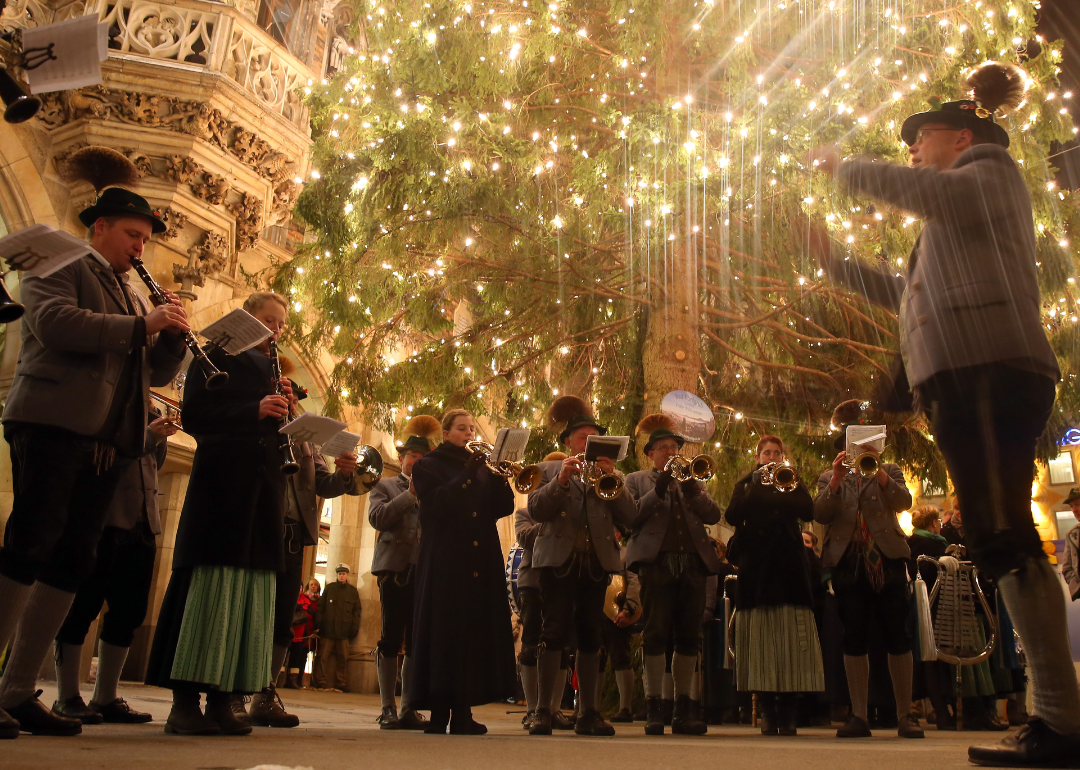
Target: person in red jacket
x=307 y=604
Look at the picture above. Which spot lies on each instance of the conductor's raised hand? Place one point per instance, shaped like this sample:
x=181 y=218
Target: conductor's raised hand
x=273 y=406
x=166 y=318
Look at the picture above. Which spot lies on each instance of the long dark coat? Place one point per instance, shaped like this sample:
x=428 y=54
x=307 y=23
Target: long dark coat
x=234 y=510
x=768 y=547
x=463 y=646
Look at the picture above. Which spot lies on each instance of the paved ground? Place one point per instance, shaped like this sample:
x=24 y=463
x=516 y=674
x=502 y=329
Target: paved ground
x=338 y=731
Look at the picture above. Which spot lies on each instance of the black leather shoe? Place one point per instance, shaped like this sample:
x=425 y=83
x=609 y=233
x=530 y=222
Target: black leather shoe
x=1033 y=745
x=766 y=711
x=624 y=715
x=75 y=708
x=560 y=721
x=854 y=727
x=682 y=720
x=654 y=721
x=526 y=721
x=411 y=720
x=667 y=708
x=591 y=723
x=908 y=727
x=388 y=719
x=467 y=727
x=120 y=713
x=541 y=722
x=35 y=719
x=9 y=727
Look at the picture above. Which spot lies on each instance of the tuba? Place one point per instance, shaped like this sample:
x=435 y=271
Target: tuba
x=526 y=478
x=607 y=486
x=698 y=468
x=369 y=467
x=782 y=476
x=615 y=600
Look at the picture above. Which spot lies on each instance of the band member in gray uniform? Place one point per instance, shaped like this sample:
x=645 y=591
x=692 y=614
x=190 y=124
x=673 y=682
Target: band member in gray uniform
x=91 y=348
x=575 y=552
x=395 y=513
x=302 y=492
x=867 y=553
x=672 y=555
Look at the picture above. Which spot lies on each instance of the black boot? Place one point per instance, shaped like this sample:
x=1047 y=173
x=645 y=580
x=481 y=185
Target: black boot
x=683 y=722
x=186 y=718
x=35 y=719
x=541 y=722
x=290 y=682
x=667 y=709
x=462 y=723
x=787 y=714
x=591 y=723
x=440 y=718
x=411 y=720
x=220 y=710
x=766 y=711
x=9 y=726
x=654 y=720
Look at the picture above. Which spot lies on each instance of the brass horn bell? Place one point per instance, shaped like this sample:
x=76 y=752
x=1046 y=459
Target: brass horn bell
x=19 y=105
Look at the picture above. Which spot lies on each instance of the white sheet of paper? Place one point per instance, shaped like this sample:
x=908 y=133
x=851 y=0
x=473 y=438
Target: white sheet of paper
x=79 y=45
x=41 y=250
x=236 y=332
x=340 y=444
x=314 y=428
x=861 y=435
x=510 y=444
x=606 y=446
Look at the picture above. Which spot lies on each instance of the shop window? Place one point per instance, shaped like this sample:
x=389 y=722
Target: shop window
x=1061 y=469
x=277 y=18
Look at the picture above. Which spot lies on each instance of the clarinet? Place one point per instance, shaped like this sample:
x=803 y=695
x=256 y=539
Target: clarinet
x=215 y=378
x=288 y=449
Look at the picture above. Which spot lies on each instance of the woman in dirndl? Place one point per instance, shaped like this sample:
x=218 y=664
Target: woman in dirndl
x=776 y=640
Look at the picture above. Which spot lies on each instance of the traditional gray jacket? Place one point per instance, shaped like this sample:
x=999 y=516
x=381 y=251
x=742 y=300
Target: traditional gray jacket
x=653 y=513
x=395 y=512
x=136 y=492
x=837 y=511
x=558 y=509
x=972 y=295
x=526 y=530
x=1070 y=562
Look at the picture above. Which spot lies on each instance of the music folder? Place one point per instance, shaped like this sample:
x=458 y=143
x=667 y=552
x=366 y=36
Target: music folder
x=613 y=447
x=864 y=435
x=510 y=444
x=236 y=332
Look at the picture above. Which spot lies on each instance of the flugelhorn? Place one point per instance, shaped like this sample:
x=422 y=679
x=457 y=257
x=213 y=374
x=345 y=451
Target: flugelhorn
x=607 y=486
x=698 y=468
x=866 y=464
x=781 y=475
x=214 y=377
x=526 y=477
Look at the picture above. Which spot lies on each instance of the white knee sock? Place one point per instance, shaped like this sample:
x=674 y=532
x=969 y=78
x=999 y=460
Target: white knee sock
x=857 y=668
x=68 y=657
x=558 y=690
x=406 y=675
x=529 y=685
x=654 y=675
x=1036 y=605
x=110 y=665
x=900 y=671
x=668 y=686
x=682 y=673
x=46 y=609
x=13 y=596
x=388 y=681
x=588 y=673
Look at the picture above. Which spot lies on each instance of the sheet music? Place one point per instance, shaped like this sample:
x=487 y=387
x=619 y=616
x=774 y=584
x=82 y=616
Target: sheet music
x=78 y=46
x=236 y=332
x=862 y=435
x=314 y=428
x=510 y=444
x=343 y=442
x=41 y=250
x=614 y=447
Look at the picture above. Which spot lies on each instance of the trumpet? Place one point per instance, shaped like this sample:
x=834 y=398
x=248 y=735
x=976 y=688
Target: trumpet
x=698 y=468
x=866 y=464
x=369 y=467
x=607 y=486
x=526 y=478
x=172 y=408
x=781 y=475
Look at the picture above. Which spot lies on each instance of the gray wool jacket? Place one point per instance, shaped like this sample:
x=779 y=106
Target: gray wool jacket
x=557 y=508
x=526 y=530
x=395 y=513
x=136 y=492
x=971 y=293
x=1070 y=562
x=837 y=511
x=653 y=513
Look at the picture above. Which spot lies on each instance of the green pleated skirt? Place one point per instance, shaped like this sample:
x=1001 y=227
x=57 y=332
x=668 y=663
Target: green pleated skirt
x=777 y=650
x=227 y=634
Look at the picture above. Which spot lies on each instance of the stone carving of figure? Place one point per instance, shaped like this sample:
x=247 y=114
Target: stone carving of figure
x=181 y=169
x=212 y=189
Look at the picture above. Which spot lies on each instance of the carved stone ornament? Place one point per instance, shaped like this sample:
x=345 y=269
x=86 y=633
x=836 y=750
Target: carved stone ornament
x=141 y=162
x=181 y=169
x=248 y=213
x=213 y=188
x=211 y=254
x=174 y=222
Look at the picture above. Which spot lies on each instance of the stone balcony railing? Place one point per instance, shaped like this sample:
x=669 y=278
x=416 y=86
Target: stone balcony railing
x=194 y=34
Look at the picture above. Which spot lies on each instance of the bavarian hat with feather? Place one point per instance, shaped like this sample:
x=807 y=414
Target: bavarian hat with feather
x=658 y=426
x=422 y=431
x=847 y=413
x=995 y=89
x=110 y=173
x=568 y=413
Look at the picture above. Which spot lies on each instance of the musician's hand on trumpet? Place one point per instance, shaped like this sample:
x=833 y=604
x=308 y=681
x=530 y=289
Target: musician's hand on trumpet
x=663 y=481
x=346 y=464
x=571 y=467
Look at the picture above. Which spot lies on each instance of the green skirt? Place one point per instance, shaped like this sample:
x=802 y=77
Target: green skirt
x=777 y=650
x=227 y=635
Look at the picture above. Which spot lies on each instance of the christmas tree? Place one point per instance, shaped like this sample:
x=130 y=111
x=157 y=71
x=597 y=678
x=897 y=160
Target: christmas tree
x=514 y=199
